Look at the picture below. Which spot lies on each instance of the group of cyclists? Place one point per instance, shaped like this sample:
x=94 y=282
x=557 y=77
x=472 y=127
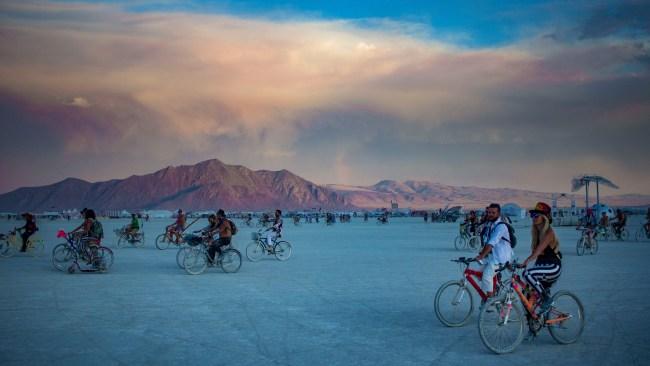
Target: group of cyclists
x=498 y=245
x=618 y=224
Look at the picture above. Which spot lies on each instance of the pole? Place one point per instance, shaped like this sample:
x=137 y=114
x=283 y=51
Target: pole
x=597 y=195
x=586 y=196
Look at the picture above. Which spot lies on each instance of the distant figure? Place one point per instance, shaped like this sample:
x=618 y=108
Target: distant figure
x=176 y=229
x=365 y=216
x=134 y=227
x=274 y=231
x=426 y=216
x=647 y=223
x=472 y=220
x=27 y=230
x=619 y=223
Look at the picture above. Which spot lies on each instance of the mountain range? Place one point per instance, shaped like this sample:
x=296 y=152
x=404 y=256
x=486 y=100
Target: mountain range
x=212 y=184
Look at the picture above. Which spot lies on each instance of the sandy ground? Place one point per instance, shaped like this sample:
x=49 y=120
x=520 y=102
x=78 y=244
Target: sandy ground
x=351 y=294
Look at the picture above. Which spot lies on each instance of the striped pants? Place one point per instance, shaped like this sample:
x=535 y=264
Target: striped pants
x=548 y=272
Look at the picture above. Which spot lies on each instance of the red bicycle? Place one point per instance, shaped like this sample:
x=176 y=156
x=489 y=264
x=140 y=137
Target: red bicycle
x=454 y=303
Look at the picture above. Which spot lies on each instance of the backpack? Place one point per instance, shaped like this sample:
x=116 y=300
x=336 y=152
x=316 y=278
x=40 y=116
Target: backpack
x=97 y=230
x=511 y=233
x=233 y=227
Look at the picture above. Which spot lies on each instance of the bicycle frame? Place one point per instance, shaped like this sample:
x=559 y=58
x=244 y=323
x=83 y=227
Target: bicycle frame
x=469 y=275
x=78 y=249
x=518 y=285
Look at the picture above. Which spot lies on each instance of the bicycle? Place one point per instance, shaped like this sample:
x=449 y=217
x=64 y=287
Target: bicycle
x=621 y=234
x=602 y=232
x=125 y=236
x=465 y=239
x=166 y=239
x=191 y=240
x=66 y=256
x=197 y=259
x=587 y=241
x=281 y=249
x=11 y=243
x=642 y=234
x=501 y=315
x=452 y=294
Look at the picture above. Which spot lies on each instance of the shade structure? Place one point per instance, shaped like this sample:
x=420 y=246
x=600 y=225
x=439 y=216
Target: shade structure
x=585 y=180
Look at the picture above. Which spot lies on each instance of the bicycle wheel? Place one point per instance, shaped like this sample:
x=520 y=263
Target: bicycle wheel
x=566 y=318
x=121 y=241
x=254 y=251
x=460 y=242
x=180 y=256
x=282 y=250
x=501 y=325
x=474 y=242
x=196 y=261
x=624 y=235
x=230 y=260
x=593 y=249
x=161 y=242
x=140 y=242
x=580 y=247
x=4 y=247
x=453 y=304
x=62 y=257
x=103 y=259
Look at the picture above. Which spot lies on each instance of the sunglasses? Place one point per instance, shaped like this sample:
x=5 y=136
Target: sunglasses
x=534 y=215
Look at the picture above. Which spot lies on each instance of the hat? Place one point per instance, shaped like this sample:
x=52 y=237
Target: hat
x=541 y=208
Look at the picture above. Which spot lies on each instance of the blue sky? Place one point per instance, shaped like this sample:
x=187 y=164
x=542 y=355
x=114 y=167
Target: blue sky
x=495 y=94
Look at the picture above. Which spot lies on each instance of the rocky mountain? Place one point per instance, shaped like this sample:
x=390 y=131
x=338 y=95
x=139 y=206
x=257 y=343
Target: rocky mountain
x=212 y=184
x=208 y=185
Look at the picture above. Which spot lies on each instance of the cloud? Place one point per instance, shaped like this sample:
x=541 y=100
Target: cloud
x=169 y=88
x=78 y=102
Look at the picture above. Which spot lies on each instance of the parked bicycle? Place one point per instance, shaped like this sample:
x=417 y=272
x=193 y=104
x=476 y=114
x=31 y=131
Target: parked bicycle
x=11 y=243
x=587 y=242
x=67 y=256
x=454 y=303
x=501 y=320
x=197 y=259
x=466 y=240
x=126 y=237
x=281 y=249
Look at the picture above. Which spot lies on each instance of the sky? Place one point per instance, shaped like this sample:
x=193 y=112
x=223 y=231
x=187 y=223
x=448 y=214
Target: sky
x=523 y=94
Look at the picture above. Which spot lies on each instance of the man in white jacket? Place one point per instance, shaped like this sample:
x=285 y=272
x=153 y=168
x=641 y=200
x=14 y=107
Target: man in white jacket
x=497 y=248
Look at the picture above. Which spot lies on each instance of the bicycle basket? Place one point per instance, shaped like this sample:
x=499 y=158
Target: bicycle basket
x=192 y=240
x=255 y=235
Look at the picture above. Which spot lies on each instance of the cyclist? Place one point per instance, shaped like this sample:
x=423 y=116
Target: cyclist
x=177 y=227
x=223 y=227
x=619 y=222
x=133 y=228
x=472 y=220
x=274 y=231
x=588 y=222
x=497 y=247
x=91 y=231
x=546 y=252
x=27 y=230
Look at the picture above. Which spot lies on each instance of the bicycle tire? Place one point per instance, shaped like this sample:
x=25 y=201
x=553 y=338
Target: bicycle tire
x=196 y=261
x=459 y=292
x=562 y=301
x=180 y=256
x=282 y=250
x=161 y=242
x=62 y=257
x=624 y=235
x=474 y=242
x=594 y=246
x=460 y=242
x=104 y=259
x=255 y=251
x=492 y=316
x=230 y=260
x=121 y=241
x=580 y=246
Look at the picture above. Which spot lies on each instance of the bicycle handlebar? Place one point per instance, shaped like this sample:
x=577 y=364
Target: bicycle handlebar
x=464 y=260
